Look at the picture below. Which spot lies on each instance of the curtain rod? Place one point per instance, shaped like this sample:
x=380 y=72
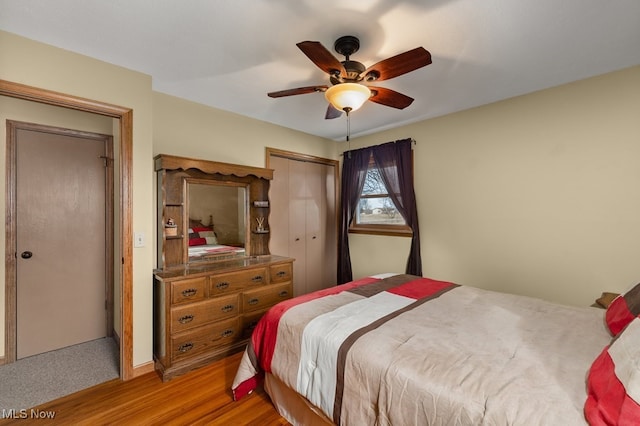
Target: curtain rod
x=413 y=143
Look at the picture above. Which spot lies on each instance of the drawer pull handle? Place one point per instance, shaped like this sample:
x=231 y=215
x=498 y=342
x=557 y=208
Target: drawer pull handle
x=222 y=285
x=254 y=301
x=185 y=319
x=257 y=278
x=251 y=325
x=283 y=293
x=281 y=274
x=227 y=333
x=190 y=292
x=227 y=308
x=185 y=347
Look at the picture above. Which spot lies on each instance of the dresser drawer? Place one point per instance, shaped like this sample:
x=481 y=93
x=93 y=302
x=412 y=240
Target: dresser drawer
x=236 y=281
x=281 y=273
x=196 y=314
x=265 y=297
x=205 y=338
x=249 y=322
x=189 y=290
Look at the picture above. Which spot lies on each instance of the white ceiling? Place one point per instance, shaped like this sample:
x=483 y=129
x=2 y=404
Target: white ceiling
x=229 y=53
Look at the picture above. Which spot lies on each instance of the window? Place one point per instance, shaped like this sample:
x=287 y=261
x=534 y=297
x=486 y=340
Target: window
x=376 y=213
x=392 y=164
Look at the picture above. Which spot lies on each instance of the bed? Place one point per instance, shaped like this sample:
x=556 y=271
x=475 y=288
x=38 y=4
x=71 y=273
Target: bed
x=204 y=245
x=406 y=350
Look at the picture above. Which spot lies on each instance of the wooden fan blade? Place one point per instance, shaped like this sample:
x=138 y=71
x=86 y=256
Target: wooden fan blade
x=297 y=91
x=397 y=65
x=389 y=97
x=320 y=56
x=332 y=112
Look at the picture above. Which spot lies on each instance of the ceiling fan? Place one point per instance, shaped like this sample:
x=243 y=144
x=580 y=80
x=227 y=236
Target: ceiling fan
x=349 y=79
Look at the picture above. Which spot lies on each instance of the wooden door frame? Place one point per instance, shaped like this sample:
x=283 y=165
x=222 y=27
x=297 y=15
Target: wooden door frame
x=125 y=117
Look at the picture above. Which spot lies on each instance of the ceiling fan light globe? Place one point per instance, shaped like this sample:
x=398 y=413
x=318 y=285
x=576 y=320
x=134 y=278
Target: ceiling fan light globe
x=347 y=96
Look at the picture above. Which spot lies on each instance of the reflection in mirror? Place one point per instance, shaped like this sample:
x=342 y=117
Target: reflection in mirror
x=217 y=220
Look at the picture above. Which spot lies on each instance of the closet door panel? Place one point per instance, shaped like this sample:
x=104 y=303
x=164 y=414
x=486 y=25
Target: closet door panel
x=298 y=194
x=315 y=227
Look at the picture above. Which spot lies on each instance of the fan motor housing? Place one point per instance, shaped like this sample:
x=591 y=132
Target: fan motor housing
x=353 y=69
x=347 y=45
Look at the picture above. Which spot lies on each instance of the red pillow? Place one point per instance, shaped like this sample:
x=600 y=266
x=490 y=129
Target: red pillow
x=197 y=241
x=623 y=310
x=613 y=383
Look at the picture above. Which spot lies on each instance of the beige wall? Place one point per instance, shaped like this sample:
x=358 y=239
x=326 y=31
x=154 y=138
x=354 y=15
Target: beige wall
x=188 y=129
x=536 y=195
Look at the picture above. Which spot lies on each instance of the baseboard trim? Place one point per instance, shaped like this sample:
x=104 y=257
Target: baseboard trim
x=2 y=360
x=115 y=336
x=143 y=369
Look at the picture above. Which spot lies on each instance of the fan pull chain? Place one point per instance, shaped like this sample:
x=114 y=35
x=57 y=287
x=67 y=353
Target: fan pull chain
x=348 y=127
x=347 y=110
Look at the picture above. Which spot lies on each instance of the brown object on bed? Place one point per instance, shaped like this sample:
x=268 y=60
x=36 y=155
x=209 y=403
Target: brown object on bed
x=605 y=300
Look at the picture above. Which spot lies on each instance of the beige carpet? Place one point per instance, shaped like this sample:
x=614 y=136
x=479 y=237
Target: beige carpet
x=35 y=380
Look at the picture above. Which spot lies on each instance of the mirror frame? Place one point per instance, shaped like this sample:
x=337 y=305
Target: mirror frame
x=171 y=200
x=187 y=209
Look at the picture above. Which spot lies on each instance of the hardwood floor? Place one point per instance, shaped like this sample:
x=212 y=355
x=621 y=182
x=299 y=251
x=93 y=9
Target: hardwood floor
x=202 y=397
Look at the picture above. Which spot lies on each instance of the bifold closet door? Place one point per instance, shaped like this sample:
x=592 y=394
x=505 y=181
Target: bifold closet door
x=320 y=227
x=315 y=226
x=298 y=194
x=303 y=221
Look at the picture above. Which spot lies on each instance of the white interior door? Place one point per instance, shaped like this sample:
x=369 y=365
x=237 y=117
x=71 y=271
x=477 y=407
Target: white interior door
x=60 y=207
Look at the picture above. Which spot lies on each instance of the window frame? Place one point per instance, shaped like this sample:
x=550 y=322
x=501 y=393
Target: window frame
x=380 y=229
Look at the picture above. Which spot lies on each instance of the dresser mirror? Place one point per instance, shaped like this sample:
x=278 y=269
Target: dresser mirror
x=216 y=218
x=210 y=212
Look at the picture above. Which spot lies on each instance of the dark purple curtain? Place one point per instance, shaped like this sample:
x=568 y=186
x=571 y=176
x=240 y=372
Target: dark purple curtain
x=395 y=163
x=354 y=171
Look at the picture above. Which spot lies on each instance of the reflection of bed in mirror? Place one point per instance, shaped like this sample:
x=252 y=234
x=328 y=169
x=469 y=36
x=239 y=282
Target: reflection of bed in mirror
x=223 y=233
x=204 y=244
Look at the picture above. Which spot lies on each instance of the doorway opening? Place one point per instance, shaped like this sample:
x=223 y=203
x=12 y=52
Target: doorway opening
x=124 y=236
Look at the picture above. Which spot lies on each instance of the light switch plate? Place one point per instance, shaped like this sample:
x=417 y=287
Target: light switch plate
x=138 y=239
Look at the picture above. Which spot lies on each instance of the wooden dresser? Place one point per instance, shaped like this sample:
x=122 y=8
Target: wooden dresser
x=208 y=311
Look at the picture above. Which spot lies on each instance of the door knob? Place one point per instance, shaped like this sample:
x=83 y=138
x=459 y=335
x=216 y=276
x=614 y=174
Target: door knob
x=26 y=255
